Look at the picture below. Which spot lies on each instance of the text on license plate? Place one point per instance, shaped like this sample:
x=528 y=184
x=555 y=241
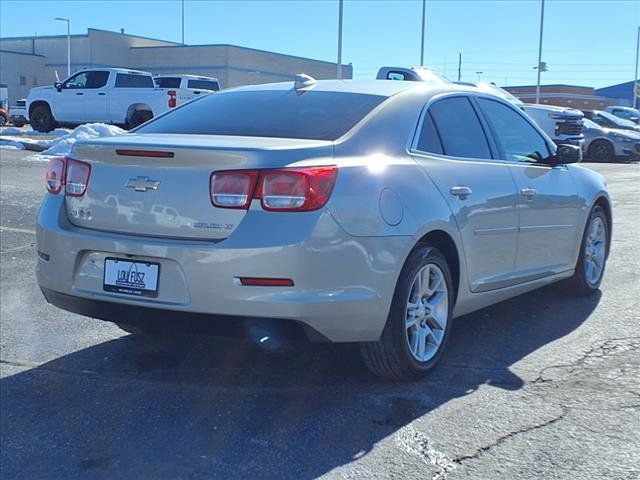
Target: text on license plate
x=131 y=277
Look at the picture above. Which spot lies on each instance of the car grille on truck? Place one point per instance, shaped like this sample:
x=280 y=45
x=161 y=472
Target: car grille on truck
x=569 y=128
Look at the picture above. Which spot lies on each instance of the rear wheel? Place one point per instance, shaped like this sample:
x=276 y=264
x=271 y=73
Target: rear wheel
x=593 y=255
x=42 y=119
x=3 y=121
x=419 y=319
x=601 y=151
x=139 y=117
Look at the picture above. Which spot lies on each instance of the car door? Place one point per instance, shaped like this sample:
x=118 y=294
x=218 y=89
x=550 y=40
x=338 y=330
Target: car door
x=96 y=96
x=69 y=104
x=453 y=148
x=548 y=201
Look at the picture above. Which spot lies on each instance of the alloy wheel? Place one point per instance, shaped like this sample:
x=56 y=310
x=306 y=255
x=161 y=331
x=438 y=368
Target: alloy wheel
x=595 y=250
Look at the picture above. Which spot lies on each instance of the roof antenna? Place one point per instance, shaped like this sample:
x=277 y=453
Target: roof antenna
x=303 y=80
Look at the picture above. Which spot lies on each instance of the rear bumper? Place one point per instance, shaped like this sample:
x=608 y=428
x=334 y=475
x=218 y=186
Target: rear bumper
x=343 y=284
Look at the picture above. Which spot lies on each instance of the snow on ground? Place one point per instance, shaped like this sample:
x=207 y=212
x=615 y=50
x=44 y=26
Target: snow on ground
x=64 y=144
x=29 y=132
x=11 y=145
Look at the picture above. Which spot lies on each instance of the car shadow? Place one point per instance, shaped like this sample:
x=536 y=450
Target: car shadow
x=219 y=408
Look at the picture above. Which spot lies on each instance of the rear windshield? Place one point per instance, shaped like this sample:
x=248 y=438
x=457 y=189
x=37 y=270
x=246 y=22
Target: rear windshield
x=311 y=115
x=203 y=85
x=167 y=82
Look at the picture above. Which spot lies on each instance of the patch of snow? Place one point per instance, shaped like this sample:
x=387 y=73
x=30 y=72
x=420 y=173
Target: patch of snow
x=64 y=144
x=11 y=145
x=37 y=158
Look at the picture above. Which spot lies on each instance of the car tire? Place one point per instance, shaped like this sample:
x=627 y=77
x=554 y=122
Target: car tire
x=18 y=124
x=3 y=121
x=601 y=151
x=593 y=255
x=42 y=119
x=138 y=118
x=419 y=320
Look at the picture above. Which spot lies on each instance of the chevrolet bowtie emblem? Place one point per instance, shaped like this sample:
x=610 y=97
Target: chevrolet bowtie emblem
x=142 y=184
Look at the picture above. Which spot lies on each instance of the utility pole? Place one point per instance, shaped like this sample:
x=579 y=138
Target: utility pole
x=68 y=43
x=459 y=66
x=479 y=75
x=424 y=9
x=635 y=83
x=540 y=52
x=340 y=5
x=183 y=22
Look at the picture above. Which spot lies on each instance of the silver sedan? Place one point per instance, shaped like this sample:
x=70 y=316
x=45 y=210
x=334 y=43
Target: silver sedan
x=345 y=211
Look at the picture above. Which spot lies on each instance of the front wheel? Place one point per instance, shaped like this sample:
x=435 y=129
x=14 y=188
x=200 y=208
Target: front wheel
x=601 y=151
x=419 y=320
x=42 y=119
x=593 y=255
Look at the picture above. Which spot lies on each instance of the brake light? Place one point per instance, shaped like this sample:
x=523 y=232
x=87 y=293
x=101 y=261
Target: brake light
x=296 y=190
x=172 y=98
x=233 y=188
x=77 y=177
x=54 y=177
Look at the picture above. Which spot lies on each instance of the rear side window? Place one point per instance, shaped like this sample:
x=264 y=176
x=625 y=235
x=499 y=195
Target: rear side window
x=97 y=79
x=520 y=142
x=167 y=82
x=314 y=115
x=203 y=85
x=128 y=80
x=429 y=140
x=459 y=127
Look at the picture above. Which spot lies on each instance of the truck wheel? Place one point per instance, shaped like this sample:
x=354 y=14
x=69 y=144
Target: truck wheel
x=41 y=118
x=601 y=151
x=419 y=320
x=3 y=121
x=138 y=118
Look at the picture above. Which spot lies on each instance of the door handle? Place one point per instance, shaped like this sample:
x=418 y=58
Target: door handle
x=460 y=191
x=528 y=193
x=101 y=93
x=79 y=93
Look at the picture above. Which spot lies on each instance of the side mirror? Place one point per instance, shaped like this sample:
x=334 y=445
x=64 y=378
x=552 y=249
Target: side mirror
x=566 y=154
x=58 y=86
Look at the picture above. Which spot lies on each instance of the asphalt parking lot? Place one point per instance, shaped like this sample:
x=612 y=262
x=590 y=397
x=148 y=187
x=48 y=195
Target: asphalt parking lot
x=541 y=386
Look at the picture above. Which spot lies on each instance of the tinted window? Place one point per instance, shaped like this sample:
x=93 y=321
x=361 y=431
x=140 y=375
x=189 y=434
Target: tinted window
x=167 y=82
x=128 y=80
x=97 y=79
x=459 y=128
x=79 y=80
x=429 y=140
x=520 y=142
x=315 y=115
x=203 y=85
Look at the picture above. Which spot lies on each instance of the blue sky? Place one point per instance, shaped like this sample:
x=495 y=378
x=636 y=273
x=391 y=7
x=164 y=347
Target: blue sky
x=586 y=42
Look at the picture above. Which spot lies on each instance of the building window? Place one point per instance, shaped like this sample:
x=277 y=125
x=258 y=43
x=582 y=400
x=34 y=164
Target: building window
x=35 y=81
x=23 y=80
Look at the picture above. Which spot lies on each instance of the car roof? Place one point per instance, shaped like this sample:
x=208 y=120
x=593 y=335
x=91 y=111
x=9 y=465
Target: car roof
x=385 y=88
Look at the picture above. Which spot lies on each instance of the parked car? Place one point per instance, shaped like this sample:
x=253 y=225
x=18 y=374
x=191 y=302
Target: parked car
x=608 y=120
x=563 y=125
x=626 y=113
x=4 y=117
x=493 y=89
x=18 y=113
x=412 y=74
x=194 y=83
x=607 y=144
x=111 y=95
x=360 y=211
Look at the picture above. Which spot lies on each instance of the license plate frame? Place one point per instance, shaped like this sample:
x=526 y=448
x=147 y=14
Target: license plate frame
x=131 y=282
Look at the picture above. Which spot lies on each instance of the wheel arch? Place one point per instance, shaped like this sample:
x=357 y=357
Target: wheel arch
x=37 y=103
x=137 y=107
x=595 y=141
x=447 y=245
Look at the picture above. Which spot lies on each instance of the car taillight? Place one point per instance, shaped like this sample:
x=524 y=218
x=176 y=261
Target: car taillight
x=172 y=98
x=296 y=189
x=77 y=177
x=54 y=177
x=285 y=190
x=233 y=189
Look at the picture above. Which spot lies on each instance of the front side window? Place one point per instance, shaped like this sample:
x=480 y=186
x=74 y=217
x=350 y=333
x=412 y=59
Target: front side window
x=460 y=130
x=129 y=80
x=520 y=142
x=314 y=115
x=79 y=80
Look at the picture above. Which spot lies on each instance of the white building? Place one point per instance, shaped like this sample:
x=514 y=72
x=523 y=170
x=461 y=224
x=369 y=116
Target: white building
x=27 y=62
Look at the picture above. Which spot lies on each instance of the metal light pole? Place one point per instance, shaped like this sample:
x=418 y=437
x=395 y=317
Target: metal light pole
x=635 y=83
x=479 y=74
x=340 y=5
x=424 y=8
x=540 y=52
x=183 y=22
x=68 y=43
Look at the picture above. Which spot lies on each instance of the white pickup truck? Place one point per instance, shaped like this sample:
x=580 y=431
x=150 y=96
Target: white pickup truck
x=108 y=95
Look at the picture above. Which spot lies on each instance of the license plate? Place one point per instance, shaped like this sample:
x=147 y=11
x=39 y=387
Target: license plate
x=131 y=278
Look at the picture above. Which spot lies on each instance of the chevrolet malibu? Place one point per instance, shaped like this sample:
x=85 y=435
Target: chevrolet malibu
x=372 y=212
